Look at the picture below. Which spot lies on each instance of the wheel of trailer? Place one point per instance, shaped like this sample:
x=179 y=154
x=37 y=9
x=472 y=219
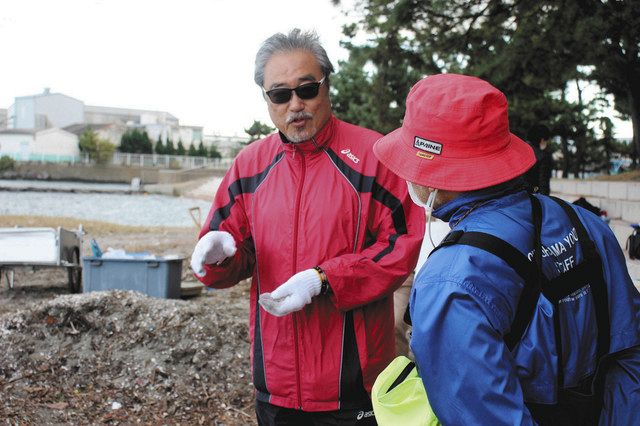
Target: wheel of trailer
x=75 y=273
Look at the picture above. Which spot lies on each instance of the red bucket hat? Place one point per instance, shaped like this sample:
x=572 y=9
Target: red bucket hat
x=455 y=136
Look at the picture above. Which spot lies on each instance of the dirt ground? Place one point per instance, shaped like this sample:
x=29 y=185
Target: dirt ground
x=122 y=357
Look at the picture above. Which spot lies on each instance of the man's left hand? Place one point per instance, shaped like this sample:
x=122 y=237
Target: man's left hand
x=293 y=295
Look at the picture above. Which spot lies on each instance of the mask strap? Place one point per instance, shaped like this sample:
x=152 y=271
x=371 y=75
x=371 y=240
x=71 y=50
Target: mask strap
x=430 y=201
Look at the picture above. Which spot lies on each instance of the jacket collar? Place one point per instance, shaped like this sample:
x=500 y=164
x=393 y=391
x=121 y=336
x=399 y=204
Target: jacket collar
x=455 y=209
x=319 y=140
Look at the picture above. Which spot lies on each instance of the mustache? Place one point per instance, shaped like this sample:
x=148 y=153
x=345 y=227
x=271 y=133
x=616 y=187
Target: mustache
x=298 y=116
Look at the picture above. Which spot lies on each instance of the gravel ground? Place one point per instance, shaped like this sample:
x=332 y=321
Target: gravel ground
x=122 y=357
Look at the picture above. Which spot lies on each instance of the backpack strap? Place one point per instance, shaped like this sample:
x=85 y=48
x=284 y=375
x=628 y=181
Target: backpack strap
x=593 y=273
x=590 y=271
x=536 y=210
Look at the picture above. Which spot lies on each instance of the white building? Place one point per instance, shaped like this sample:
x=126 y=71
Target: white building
x=54 y=144
x=48 y=110
x=3 y=118
x=157 y=124
x=227 y=146
x=127 y=116
x=112 y=132
x=189 y=133
x=45 y=110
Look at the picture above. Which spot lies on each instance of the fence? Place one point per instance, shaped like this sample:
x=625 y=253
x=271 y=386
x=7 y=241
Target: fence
x=167 y=161
x=160 y=161
x=42 y=158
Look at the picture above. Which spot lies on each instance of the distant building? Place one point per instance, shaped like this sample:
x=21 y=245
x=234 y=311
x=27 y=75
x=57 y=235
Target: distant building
x=189 y=133
x=157 y=124
x=47 y=110
x=112 y=132
x=51 y=145
x=227 y=146
x=3 y=118
x=127 y=116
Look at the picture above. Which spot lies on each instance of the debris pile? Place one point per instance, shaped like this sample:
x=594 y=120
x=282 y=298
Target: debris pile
x=122 y=357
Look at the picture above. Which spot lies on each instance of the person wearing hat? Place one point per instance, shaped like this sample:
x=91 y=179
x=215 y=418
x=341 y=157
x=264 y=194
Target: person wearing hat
x=526 y=312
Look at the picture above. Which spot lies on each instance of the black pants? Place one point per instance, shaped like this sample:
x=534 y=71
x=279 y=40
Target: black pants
x=272 y=415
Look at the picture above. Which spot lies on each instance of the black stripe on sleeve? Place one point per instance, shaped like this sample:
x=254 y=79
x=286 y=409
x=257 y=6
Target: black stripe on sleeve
x=363 y=183
x=245 y=185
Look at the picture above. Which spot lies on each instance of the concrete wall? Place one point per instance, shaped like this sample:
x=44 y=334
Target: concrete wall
x=87 y=173
x=118 y=174
x=621 y=200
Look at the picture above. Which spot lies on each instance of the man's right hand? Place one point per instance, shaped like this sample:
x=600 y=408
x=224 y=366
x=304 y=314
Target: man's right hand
x=213 y=248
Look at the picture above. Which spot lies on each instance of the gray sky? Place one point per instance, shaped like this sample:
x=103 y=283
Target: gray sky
x=192 y=58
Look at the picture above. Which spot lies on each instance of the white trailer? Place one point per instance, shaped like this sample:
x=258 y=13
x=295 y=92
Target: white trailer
x=41 y=248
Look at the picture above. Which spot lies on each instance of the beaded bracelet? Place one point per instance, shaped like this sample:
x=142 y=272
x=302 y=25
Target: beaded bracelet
x=324 y=283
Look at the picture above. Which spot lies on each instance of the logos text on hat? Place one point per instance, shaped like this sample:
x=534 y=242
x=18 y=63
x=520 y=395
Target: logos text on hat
x=427 y=145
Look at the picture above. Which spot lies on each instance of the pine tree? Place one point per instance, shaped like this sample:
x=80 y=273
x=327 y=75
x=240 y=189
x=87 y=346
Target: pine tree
x=213 y=152
x=125 y=142
x=159 y=148
x=180 y=148
x=146 y=146
x=136 y=141
x=170 y=149
x=257 y=130
x=202 y=151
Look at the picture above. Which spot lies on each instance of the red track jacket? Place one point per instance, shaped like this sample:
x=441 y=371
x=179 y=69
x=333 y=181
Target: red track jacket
x=325 y=202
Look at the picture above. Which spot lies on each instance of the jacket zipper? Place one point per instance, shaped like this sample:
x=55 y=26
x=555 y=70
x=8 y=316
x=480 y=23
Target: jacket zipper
x=295 y=261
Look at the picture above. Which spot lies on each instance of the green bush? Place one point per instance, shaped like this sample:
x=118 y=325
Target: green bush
x=99 y=150
x=6 y=163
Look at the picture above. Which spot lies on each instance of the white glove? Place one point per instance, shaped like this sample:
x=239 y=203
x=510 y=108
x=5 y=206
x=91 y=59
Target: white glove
x=293 y=295
x=214 y=247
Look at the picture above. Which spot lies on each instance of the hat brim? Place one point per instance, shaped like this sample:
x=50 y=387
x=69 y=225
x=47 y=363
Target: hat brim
x=397 y=153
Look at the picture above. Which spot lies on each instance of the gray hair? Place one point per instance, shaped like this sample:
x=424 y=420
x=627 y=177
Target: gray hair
x=295 y=40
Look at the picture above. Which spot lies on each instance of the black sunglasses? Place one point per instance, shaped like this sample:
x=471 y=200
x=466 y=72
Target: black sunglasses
x=282 y=95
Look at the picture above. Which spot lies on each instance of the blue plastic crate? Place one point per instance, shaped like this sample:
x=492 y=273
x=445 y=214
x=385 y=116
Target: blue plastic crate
x=158 y=277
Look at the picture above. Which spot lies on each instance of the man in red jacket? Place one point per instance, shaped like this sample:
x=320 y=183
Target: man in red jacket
x=327 y=234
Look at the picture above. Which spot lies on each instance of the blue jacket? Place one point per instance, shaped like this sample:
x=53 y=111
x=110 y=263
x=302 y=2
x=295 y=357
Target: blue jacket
x=464 y=300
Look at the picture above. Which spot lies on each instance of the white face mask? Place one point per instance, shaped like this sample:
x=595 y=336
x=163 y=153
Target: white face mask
x=428 y=206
